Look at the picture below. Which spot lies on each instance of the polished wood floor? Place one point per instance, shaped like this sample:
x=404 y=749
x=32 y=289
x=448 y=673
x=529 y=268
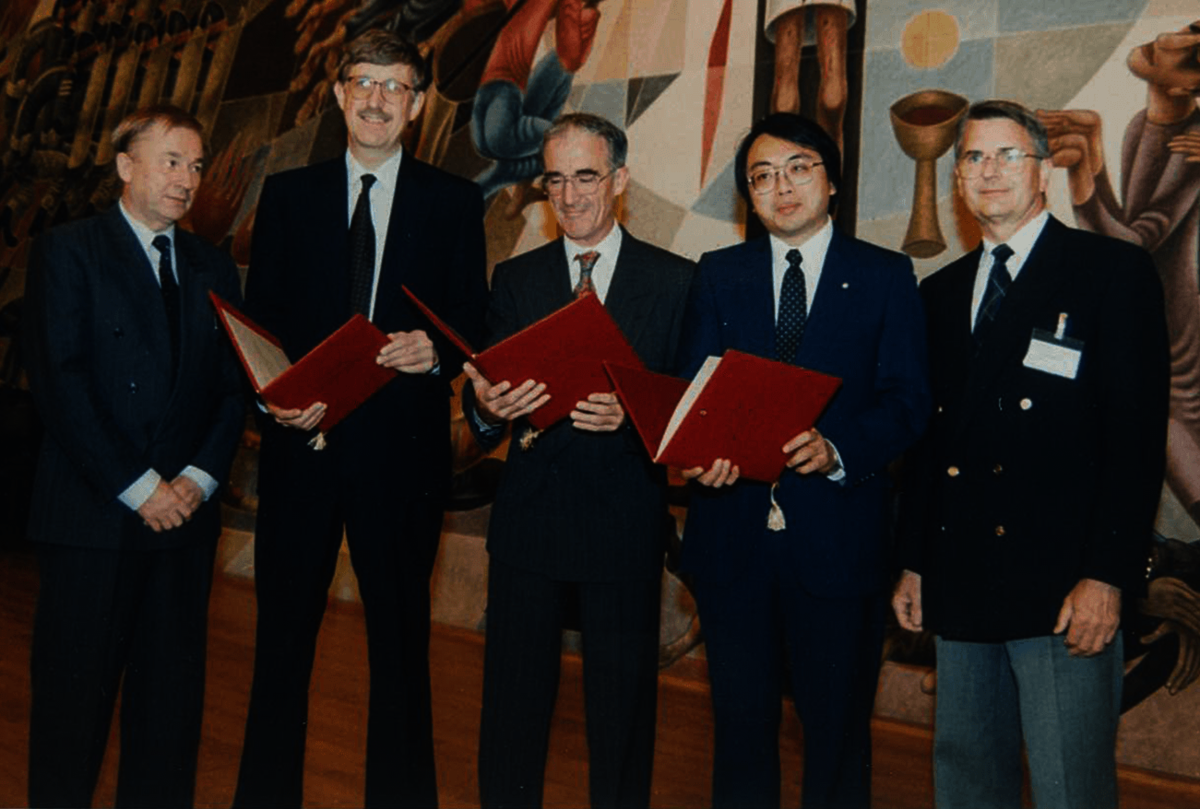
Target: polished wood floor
x=337 y=719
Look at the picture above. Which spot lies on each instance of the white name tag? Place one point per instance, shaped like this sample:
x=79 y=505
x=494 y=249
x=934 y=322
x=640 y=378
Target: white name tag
x=1054 y=355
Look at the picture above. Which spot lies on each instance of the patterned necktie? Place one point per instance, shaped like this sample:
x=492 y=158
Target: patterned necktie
x=793 y=309
x=170 y=292
x=362 y=250
x=587 y=262
x=993 y=295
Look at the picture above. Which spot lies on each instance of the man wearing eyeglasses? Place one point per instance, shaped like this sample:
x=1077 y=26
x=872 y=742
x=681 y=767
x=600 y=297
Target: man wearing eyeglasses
x=1029 y=504
x=579 y=519
x=331 y=240
x=811 y=593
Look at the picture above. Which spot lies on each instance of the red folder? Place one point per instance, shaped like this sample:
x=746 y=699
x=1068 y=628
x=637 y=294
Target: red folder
x=739 y=406
x=341 y=371
x=566 y=349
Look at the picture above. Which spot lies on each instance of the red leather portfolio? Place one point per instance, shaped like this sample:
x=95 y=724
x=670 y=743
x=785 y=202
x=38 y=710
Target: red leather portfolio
x=566 y=349
x=341 y=371
x=739 y=406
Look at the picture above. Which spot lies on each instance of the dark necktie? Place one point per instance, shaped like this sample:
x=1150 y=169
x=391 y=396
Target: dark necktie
x=362 y=251
x=993 y=295
x=793 y=309
x=170 y=292
x=587 y=262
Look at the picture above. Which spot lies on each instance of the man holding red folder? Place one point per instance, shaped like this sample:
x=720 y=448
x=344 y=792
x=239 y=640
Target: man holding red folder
x=810 y=593
x=333 y=239
x=581 y=510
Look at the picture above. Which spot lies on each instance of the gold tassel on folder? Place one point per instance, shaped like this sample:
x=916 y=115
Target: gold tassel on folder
x=317 y=442
x=775 y=519
x=528 y=437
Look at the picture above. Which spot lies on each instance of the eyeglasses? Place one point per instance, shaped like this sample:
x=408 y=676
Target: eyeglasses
x=364 y=86
x=799 y=172
x=1006 y=161
x=584 y=182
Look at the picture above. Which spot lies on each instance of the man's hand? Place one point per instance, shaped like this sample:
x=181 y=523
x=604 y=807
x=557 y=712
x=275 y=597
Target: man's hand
x=1186 y=144
x=811 y=453
x=1077 y=146
x=409 y=352
x=601 y=413
x=906 y=601
x=164 y=509
x=189 y=492
x=1090 y=615
x=305 y=420
x=499 y=403
x=722 y=473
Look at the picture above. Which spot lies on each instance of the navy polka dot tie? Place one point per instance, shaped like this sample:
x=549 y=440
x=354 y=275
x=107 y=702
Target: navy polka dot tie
x=362 y=250
x=793 y=310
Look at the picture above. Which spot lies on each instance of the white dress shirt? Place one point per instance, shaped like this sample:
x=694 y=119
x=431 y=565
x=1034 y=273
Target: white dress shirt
x=1021 y=244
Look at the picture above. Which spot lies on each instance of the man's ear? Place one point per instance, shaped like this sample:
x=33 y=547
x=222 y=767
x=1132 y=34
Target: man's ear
x=124 y=166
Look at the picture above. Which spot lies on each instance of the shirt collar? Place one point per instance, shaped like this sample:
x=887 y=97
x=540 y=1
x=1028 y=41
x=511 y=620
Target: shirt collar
x=145 y=235
x=385 y=173
x=812 y=251
x=608 y=247
x=1021 y=243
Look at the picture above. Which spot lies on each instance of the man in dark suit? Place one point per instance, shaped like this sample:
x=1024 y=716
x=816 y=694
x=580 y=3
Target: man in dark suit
x=330 y=240
x=1029 y=505
x=812 y=594
x=140 y=395
x=580 y=515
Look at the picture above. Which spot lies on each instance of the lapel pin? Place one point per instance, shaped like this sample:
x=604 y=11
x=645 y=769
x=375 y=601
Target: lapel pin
x=845 y=285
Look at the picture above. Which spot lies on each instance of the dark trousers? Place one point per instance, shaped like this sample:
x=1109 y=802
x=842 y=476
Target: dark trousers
x=619 y=626
x=104 y=615
x=753 y=626
x=392 y=547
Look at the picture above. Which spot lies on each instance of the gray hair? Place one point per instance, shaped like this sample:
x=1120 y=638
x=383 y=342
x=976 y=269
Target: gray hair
x=618 y=144
x=994 y=109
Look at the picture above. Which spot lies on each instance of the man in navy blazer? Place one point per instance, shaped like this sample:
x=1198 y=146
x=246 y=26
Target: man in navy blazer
x=141 y=397
x=1029 y=505
x=811 y=595
x=384 y=475
x=580 y=515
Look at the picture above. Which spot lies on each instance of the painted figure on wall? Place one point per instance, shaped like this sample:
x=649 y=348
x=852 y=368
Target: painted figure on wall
x=517 y=100
x=790 y=25
x=1159 y=209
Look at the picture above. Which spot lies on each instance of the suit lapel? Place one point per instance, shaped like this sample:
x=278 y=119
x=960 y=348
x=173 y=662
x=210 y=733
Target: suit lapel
x=134 y=273
x=408 y=217
x=1041 y=275
x=630 y=298
x=828 y=308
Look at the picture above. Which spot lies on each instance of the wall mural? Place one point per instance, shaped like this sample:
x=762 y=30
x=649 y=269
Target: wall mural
x=889 y=78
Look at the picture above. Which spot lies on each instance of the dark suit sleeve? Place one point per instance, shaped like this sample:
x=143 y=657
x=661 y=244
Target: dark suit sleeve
x=700 y=334
x=227 y=417
x=871 y=438
x=267 y=279
x=1133 y=371
x=501 y=322
x=467 y=294
x=77 y=414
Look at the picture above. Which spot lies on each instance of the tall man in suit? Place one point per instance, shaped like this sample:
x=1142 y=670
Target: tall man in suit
x=814 y=594
x=140 y=395
x=331 y=240
x=1029 y=505
x=580 y=515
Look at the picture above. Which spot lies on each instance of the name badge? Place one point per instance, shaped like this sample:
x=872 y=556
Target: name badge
x=1054 y=353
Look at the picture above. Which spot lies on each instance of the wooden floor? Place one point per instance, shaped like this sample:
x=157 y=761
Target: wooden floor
x=337 y=719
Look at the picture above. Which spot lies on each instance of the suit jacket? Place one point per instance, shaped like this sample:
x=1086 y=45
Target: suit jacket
x=865 y=326
x=580 y=506
x=298 y=288
x=1028 y=481
x=99 y=364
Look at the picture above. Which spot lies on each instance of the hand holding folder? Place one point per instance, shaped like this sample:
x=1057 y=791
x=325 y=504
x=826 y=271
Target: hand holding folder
x=739 y=407
x=341 y=371
x=566 y=350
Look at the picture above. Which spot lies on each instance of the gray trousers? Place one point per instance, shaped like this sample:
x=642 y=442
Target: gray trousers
x=990 y=695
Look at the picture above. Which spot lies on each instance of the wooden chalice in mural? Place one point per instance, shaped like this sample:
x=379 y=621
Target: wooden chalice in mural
x=925 y=124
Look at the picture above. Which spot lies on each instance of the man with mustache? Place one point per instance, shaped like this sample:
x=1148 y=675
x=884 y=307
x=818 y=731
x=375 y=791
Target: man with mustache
x=141 y=398
x=331 y=240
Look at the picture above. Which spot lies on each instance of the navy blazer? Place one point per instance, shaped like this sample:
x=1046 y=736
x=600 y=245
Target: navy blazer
x=866 y=326
x=298 y=288
x=99 y=364
x=1028 y=481
x=580 y=506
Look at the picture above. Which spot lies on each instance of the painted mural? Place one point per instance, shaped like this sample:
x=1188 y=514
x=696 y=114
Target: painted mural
x=889 y=78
